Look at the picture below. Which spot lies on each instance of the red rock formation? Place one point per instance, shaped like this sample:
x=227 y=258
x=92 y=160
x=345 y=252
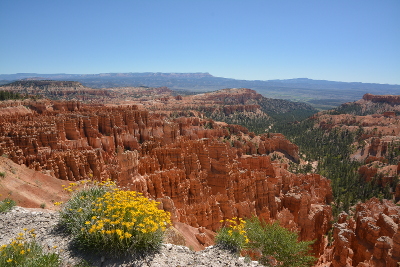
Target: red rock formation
x=371 y=238
x=200 y=170
x=230 y=96
x=390 y=99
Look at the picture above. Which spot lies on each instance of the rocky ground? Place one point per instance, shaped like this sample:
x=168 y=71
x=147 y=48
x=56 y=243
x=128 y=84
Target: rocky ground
x=52 y=237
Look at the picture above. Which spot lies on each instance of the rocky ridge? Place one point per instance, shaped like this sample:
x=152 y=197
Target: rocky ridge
x=234 y=105
x=56 y=90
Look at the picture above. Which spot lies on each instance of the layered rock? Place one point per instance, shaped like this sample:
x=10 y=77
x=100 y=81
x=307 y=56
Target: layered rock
x=390 y=99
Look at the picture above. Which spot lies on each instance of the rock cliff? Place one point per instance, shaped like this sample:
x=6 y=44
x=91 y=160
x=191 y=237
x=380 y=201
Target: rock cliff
x=390 y=99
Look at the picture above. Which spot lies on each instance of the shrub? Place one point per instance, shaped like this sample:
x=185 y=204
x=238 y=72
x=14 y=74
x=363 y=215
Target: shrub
x=271 y=244
x=278 y=246
x=25 y=251
x=106 y=219
x=6 y=205
x=233 y=235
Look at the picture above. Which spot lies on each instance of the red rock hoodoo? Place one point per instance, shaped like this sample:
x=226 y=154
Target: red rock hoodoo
x=200 y=170
x=370 y=238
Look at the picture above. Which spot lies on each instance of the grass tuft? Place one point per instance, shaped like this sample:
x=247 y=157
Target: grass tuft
x=6 y=205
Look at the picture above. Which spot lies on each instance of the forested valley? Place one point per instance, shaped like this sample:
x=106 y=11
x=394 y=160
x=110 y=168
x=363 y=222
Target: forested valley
x=327 y=152
x=331 y=150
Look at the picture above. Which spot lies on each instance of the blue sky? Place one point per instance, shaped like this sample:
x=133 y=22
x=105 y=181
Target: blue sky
x=353 y=41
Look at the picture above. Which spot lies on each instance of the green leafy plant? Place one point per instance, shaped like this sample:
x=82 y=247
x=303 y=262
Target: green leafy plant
x=278 y=246
x=271 y=244
x=25 y=251
x=6 y=205
x=107 y=219
x=232 y=236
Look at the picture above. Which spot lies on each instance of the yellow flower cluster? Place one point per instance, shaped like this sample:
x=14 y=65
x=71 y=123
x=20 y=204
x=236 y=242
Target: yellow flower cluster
x=17 y=247
x=236 y=226
x=75 y=185
x=121 y=214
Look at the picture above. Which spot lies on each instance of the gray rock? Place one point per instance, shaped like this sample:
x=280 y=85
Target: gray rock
x=52 y=238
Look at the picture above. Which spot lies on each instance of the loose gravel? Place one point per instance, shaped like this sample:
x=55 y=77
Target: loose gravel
x=53 y=238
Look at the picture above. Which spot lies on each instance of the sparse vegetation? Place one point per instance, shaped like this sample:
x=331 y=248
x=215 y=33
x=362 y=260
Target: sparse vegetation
x=25 y=251
x=271 y=244
x=6 y=95
x=275 y=111
x=6 y=205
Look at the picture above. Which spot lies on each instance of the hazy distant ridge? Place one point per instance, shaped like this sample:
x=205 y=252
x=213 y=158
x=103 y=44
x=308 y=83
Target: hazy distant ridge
x=320 y=93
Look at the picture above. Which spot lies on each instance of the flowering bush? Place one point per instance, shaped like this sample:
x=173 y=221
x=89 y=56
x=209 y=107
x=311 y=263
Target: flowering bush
x=25 y=251
x=271 y=244
x=233 y=235
x=104 y=218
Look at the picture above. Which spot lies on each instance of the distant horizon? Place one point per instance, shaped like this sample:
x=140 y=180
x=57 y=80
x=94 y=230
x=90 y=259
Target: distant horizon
x=254 y=40
x=206 y=72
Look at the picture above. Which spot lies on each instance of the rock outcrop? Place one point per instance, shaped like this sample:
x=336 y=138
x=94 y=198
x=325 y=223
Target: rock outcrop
x=200 y=170
x=370 y=238
x=390 y=99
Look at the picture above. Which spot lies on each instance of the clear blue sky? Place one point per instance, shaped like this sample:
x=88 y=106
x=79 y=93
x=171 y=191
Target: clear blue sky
x=340 y=40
